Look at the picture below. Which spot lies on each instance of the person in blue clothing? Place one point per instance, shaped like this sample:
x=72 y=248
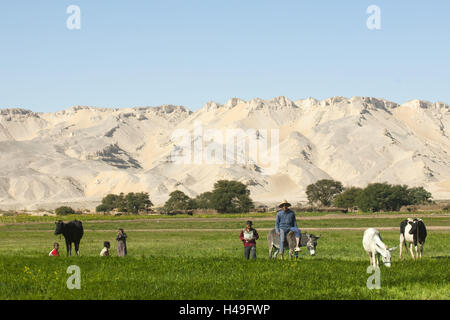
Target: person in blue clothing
x=286 y=222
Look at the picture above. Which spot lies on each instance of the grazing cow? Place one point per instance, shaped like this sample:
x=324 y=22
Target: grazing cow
x=72 y=232
x=374 y=246
x=306 y=240
x=412 y=231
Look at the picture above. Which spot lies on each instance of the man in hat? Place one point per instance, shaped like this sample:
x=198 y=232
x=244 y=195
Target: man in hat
x=249 y=237
x=284 y=223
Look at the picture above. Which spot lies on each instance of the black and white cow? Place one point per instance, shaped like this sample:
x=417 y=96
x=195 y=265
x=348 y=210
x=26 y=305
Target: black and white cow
x=413 y=231
x=72 y=232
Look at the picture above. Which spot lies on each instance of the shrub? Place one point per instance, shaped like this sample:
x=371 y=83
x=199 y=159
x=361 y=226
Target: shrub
x=62 y=211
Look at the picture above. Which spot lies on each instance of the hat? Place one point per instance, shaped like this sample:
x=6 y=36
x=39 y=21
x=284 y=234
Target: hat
x=249 y=222
x=284 y=203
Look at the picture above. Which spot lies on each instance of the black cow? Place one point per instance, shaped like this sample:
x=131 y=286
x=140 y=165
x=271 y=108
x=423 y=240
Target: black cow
x=412 y=231
x=72 y=232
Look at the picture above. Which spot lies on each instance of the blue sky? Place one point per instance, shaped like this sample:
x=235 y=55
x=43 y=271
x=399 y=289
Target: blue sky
x=148 y=53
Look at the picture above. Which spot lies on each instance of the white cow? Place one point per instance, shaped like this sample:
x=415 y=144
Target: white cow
x=374 y=246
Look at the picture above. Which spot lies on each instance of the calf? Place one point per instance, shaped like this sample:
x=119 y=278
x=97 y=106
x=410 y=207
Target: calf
x=412 y=231
x=72 y=232
x=306 y=240
x=374 y=246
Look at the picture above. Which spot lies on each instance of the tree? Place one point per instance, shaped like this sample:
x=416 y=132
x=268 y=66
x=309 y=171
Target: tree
x=419 y=195
x=323 y=191
x=373 y=197
x=203 y=201
x=113 y=201
x=398 y=197
x=102 y=208
x=178 y=200
x=231 y=196
x=132 y=202
x=347 y=199
x=242 y=204
x=62 y=211
x=383 y=196
x=137 y=201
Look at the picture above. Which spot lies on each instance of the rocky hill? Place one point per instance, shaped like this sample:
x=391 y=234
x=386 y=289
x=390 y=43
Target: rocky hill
x=80 y=154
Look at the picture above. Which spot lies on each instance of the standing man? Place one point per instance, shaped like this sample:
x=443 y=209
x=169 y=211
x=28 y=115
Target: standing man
x=284 y=223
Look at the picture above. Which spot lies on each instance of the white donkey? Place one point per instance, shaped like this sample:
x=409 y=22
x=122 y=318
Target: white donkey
x=374 y=246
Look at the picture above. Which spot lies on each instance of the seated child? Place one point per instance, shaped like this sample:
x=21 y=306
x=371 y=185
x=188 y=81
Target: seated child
x=54 y=252
x=105 y=250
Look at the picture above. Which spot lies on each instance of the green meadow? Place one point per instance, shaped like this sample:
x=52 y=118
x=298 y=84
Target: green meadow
x=184 y=258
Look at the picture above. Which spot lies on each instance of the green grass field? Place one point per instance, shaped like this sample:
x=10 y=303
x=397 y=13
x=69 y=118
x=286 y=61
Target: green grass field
x=202 y=258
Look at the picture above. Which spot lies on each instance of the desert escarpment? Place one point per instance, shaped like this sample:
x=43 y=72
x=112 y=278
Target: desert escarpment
x=82 y=153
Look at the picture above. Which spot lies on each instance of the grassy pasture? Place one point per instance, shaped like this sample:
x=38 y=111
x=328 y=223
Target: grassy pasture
x=25 y=218
x=168 y=260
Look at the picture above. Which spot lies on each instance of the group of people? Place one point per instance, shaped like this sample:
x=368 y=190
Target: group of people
x=121 y=239
x=284 y=223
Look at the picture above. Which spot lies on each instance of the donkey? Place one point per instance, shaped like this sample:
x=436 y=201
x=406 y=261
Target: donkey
x=374 y=246
x=306 y=240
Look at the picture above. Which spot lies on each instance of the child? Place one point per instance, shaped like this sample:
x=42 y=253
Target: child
x=105 y=250
x=54 y=252
x=249 y=237
x=121 y=243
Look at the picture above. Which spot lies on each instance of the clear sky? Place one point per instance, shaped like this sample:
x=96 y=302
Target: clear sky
x=188 y=52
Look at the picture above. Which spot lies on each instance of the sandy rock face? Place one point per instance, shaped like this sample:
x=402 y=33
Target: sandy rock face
x=83 y=153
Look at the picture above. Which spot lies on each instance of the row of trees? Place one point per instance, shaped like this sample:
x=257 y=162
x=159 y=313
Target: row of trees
x=233 y=196
x=226 y=197
x=375 y=197
x=131 y=203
